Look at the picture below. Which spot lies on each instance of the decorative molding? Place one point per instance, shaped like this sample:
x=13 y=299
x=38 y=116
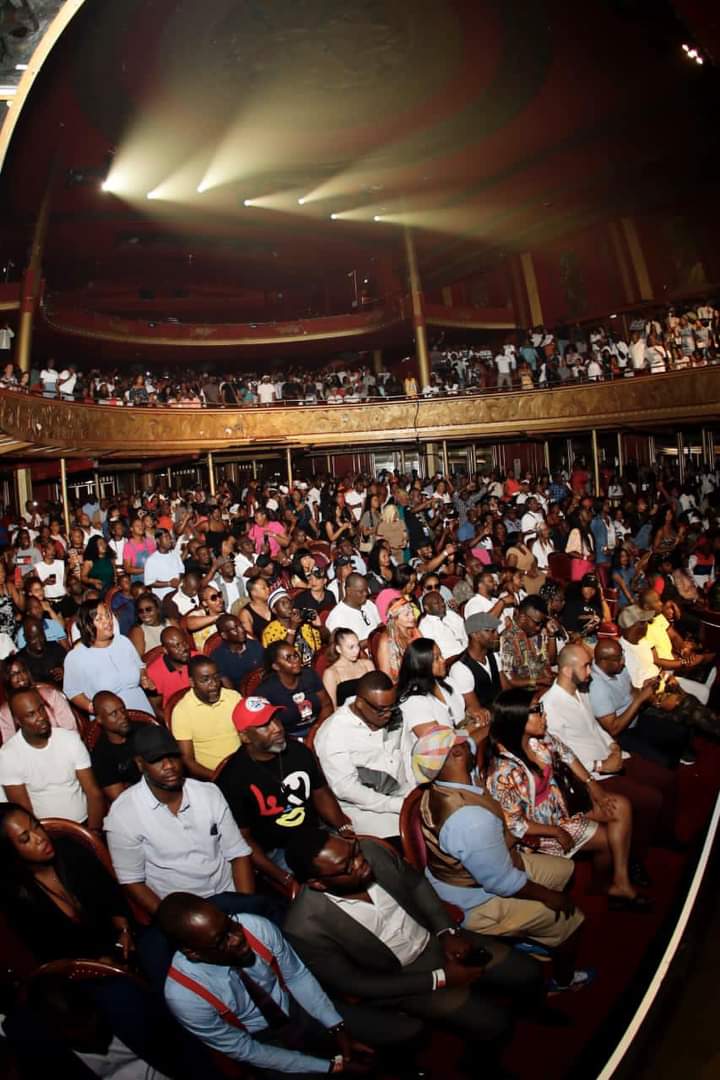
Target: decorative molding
x=54 y=31
x=51 y=428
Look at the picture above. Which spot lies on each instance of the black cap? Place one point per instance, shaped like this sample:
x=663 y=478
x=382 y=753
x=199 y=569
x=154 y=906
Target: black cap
x=153 y=742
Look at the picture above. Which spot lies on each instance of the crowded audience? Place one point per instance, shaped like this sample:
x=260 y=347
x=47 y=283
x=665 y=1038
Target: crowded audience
x=235 y=699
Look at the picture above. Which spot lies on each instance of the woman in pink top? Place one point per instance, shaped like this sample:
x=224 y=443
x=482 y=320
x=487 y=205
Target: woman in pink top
x=17 y=677
x=137 y=550
x=265 y=529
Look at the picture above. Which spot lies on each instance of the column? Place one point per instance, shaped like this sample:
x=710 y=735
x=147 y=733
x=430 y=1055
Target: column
x=402 y=461
x=30 y=287
x=23 y=484
x=620 y=453
x=431 y=466
x=254 y=469
x=681 y=456
x=531 y=287
x=446 y=460
x=546 y=454
x=377 y=361
x=418 y=312
x=64 y=493
x=211 y=473
x=169 y=479
x=96 y=480
x=570 y=454
x=288 y=459
x=596 y=462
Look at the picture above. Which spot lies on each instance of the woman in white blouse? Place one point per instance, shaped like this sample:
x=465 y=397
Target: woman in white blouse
x=543 y=546
x=425 y=697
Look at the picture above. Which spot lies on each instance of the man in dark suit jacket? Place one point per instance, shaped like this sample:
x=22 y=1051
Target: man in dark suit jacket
x=368 y=925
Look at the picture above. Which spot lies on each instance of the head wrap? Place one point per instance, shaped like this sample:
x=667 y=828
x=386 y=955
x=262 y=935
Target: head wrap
x=276 y=595
x=431 y=751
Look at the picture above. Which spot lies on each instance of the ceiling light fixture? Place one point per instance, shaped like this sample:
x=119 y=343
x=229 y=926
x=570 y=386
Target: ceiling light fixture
x=301 y=202
x=152 y=195
x=248 y=202
x=377 y=217
x=21 y=67
x=334 y=217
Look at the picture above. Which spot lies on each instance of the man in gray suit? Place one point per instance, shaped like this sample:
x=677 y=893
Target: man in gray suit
x=369 y=925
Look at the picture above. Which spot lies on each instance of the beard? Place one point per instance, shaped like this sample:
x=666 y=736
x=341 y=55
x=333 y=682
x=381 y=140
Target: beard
x=584 y=686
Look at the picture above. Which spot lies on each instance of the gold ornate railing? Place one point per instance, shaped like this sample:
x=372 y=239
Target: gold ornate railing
x=50 y=427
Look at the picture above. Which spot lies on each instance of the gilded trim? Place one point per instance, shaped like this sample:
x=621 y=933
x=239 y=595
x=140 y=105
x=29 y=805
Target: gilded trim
x=54 y=31
x=95 y=431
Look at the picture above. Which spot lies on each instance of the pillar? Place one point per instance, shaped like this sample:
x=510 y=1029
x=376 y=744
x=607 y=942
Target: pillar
x=620 y=453
x=288 y=460
x=23 y=484
x=596 y=462
x=570 y=454
x=402 y=462
x=30 y=287
x=446 y=460
x=531 y=287
x=254 y=469
x=431 y=466
x=96 y=480
x=546 y=455
x=169 y=479
x=681 y=456
x=64 y=493
x=211 y=472
x=377 y=361
x=418 y=312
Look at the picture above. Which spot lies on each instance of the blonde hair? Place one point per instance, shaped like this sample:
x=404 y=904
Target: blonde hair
x=390 y=514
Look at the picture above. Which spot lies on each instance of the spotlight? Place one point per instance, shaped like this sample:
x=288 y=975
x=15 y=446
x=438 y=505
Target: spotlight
x=377 y=217
x=686 y=48
x=152 y=195
x=692 y=53
x=301 y=202
x=334 y=217
x=613 y=316
x=105 y=186
x=248 y=202
x=201 y=187
x=698 y=60
x=21 y=67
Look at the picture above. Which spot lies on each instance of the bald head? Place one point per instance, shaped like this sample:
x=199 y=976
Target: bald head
x=607 y=649
x=650 y=600
x=181 y=914
x=204 y=933
x=574 y=668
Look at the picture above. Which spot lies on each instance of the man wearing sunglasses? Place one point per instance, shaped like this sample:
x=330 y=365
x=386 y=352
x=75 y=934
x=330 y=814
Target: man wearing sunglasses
x=359 y=750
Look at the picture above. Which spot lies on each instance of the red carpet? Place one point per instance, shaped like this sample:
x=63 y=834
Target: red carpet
x=620 y=947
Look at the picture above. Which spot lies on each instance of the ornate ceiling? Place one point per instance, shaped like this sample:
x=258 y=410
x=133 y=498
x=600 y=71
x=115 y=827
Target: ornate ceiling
x=490 y=125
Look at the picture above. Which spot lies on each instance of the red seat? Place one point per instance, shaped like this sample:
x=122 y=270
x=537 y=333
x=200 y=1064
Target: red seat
x=608 y=630
x=560 y=566
x=321 y=547
x=93 y=729
x=373 y=644
x=320 y=662
x=309 y=739
x=74 y=831
x=213 y=642
x=171 y=702
x=413 y=842
x=152 y=654
x=252 y=680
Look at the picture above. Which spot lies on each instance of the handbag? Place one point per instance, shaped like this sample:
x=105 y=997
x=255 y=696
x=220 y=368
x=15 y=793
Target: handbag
x=574 y=792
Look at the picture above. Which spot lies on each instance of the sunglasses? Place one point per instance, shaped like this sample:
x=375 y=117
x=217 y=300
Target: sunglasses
x=432 y=588
x=214 y=596
x=537 y=710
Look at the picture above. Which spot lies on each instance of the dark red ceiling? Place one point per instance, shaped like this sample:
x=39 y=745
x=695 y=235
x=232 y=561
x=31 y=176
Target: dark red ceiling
x=495 y=124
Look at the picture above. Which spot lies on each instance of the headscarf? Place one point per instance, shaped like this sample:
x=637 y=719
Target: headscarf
x=431 y=752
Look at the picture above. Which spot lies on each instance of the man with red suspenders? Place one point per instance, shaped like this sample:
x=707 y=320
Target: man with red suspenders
x=236 y=984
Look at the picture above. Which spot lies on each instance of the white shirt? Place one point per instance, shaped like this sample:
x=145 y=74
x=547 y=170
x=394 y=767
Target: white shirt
x=423 y=709
x=352 y=618
x=387 y=920
x=163 y=566
x=6 y=336
x=530 y=521
x=570 y=719
x=541 y=551
x=504 y=363
x=343 y=744
x=639 y=661
x=45 y=570
x=118 y=548
x=48 y=377
x=356 y=501
x=448 y=633
x=265 y=393
x=49 y=773
x=185 y=603
x=66 y=381
x=479 y=605
x=190 y=851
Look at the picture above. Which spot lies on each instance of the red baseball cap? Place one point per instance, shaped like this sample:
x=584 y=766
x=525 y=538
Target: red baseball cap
x=253 y=712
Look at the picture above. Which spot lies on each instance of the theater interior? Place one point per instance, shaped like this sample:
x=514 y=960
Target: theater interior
x=238 y=188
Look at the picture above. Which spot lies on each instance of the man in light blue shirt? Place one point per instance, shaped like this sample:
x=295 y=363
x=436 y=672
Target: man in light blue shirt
x=233 y=981
x=501 y=891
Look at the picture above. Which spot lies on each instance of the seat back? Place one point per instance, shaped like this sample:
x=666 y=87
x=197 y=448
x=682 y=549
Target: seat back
x=373 y=644
x=171 y=702
x=152 y=654
x=309 y=738
x=411 y=836
x=252 y=680
x=320 y=662
x=560 y=566
x=74 y=831
x=213 y=642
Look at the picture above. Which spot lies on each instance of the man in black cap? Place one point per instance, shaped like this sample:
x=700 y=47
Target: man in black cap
x=169 y=833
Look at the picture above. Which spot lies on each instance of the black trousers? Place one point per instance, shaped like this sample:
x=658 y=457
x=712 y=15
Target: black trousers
x=658 y=736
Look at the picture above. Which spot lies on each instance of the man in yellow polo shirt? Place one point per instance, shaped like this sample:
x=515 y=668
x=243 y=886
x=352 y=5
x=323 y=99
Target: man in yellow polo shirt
x=670 y=652
x=202 y=721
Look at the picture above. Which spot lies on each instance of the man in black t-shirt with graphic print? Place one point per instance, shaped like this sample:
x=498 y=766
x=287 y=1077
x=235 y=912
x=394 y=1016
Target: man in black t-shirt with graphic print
x=275 y=786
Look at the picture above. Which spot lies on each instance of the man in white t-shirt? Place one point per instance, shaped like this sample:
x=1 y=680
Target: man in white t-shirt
x=49 y=378
x=505 y=364
x=530 y=520
x=46 y=769
x=164 y=568
x=66 y=383
x=485 y=599
x=355 y=612
x=265 y=391
x=51 y=572
x=355 y=499
x=442 y=626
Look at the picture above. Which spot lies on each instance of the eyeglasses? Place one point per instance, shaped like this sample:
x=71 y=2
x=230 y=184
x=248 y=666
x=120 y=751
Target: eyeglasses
x=537 y=710
x=380 y=710
x=432 y=588
x=214 y=596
